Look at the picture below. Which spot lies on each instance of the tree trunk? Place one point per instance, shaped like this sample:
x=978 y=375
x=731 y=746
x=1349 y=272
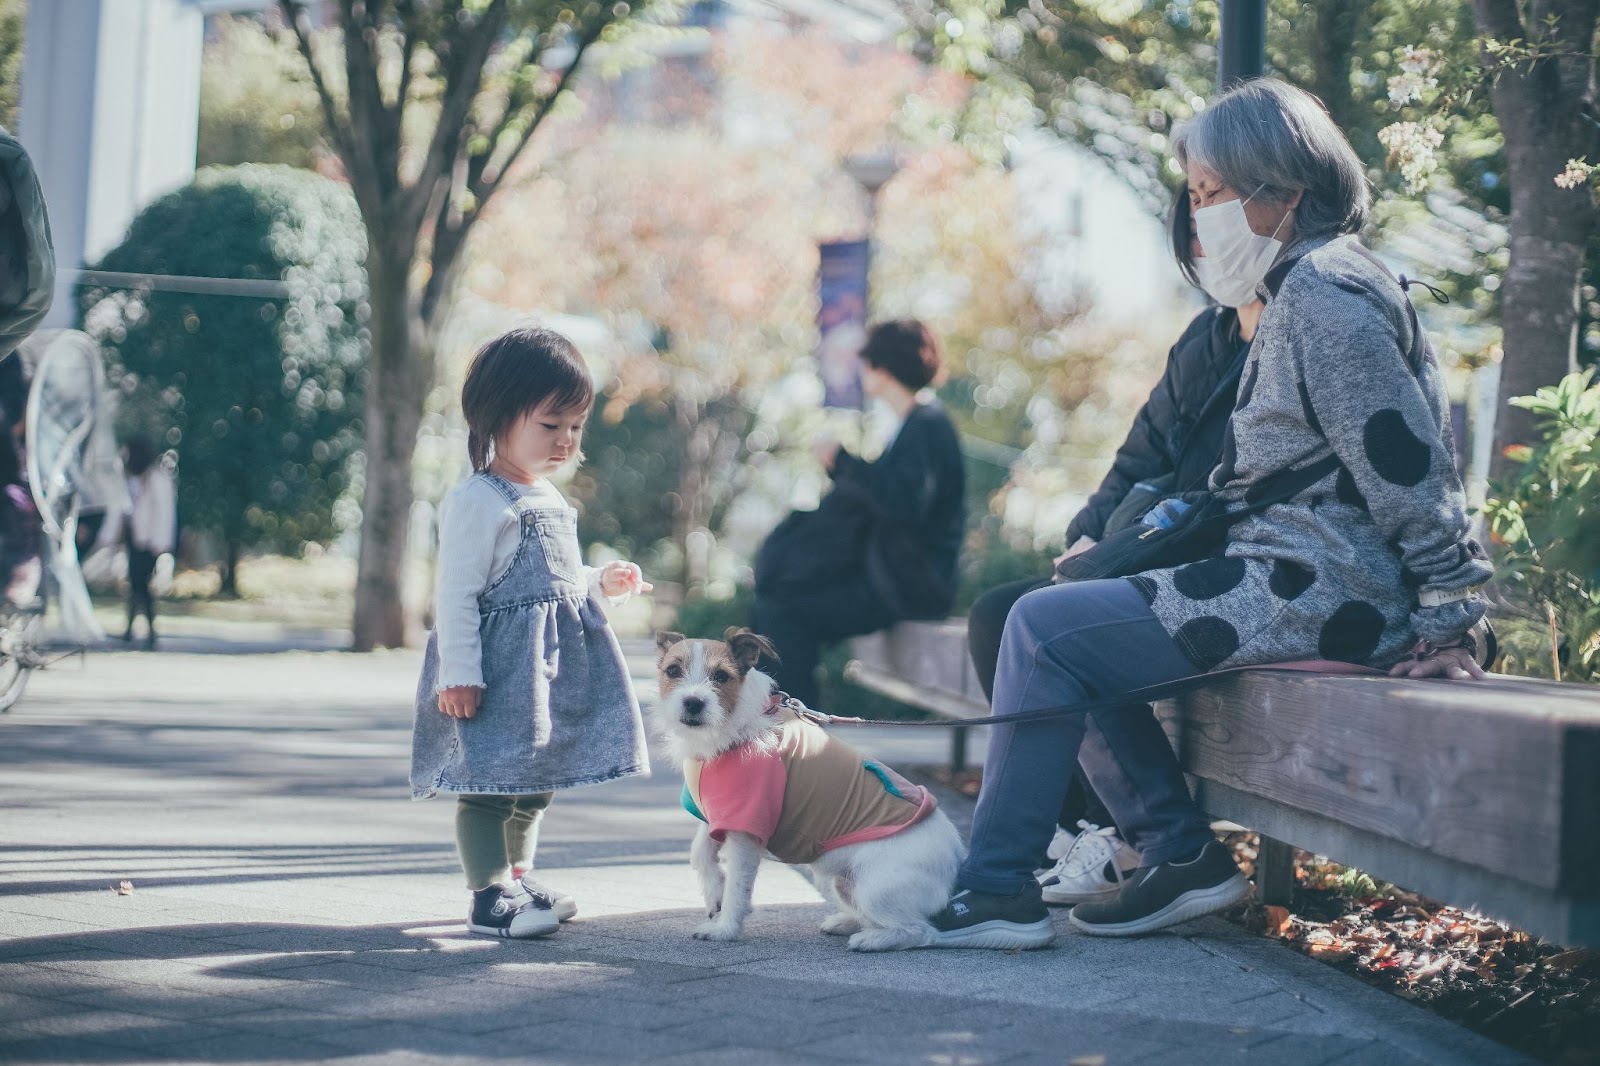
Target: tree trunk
x=1550 y=230
x=1543 y=109
x=230 y=570
x=690 y=515
x=1337 y=23
x=397 y=381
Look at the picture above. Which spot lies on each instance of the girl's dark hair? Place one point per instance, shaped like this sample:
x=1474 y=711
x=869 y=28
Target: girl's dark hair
x=141 y=455
x=516 y=373
x=905 y=349
x=1180 y=230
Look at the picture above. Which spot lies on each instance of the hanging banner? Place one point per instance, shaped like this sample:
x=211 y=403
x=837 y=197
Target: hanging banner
x=842 y=320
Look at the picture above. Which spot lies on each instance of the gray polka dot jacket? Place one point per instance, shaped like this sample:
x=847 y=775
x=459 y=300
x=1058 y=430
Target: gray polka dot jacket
x=1334 y=572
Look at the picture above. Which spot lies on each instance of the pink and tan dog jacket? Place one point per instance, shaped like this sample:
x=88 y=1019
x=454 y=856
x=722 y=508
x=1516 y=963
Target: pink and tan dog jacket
x=812 y=794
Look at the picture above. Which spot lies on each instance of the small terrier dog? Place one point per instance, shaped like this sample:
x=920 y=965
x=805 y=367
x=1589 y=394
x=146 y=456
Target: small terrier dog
x=764 y=779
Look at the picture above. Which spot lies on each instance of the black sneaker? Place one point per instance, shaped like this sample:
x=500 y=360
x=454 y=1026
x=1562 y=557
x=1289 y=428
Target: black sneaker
x=982 y=920
x=558 y=903
x=1155 y=897
x=497 y=911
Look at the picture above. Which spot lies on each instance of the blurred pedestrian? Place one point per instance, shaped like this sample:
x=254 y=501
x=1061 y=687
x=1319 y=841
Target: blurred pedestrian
x=883 y=545
x=149 y=529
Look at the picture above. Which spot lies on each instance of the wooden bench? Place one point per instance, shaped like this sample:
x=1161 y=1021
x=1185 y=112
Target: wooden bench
x=1484 y=795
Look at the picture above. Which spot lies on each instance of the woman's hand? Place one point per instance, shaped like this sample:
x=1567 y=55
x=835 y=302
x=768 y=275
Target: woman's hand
x=622 y=579
x=1456 y=663
x=460 y=701
x=826 y=449
x=1079 y=546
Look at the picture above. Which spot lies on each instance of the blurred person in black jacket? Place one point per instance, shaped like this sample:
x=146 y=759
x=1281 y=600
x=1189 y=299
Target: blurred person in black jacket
x=883 y=544
x=1175 y=441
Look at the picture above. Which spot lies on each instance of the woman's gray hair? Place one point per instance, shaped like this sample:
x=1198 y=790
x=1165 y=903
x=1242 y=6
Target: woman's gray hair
x=1268 y=136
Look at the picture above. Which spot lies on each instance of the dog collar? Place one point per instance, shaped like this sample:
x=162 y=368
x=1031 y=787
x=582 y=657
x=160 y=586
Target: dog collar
x=774 y=702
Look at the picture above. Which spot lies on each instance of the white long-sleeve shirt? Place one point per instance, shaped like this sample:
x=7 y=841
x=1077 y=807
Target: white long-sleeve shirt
x=151 y=516
x=478 y=537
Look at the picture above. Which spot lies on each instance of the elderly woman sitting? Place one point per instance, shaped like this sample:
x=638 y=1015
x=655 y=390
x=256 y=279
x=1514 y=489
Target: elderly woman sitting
x=1372 y=564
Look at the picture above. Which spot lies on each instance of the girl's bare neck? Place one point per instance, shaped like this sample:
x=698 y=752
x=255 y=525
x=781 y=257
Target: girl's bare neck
x=512 y=473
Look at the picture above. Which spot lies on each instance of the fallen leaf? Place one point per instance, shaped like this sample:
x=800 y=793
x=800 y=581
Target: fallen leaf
x=1277 y=920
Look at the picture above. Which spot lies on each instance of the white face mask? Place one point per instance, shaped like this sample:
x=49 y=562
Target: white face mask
x=1236 y=257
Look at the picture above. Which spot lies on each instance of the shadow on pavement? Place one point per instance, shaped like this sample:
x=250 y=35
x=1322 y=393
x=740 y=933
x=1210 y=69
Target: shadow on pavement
x=234 y=992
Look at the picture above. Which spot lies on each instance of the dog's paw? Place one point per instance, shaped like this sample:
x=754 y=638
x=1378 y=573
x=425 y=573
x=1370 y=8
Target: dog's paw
x=889 y=939
x=724 y=932
x=840 y=924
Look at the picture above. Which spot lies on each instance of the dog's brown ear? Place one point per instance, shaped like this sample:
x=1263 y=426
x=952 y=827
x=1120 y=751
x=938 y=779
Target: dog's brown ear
x=748 y=647
x=666 y=639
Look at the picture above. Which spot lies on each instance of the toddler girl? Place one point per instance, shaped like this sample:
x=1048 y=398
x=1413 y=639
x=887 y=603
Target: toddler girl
x=524 y=690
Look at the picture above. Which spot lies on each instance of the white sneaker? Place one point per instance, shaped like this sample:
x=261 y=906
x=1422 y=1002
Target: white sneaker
x=1060 y=844
x=1092 y=869
x=558 y=903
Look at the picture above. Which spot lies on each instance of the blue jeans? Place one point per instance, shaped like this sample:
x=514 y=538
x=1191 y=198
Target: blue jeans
x=1063 y=644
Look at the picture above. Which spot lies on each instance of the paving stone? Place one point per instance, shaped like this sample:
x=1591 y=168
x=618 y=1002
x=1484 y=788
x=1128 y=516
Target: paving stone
x=56 y=1049
x=117 y=1028
x=246 y=1047
x=737 y=1056
x=15 y=1007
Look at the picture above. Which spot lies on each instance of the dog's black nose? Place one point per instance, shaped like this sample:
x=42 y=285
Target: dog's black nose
x=693 y=705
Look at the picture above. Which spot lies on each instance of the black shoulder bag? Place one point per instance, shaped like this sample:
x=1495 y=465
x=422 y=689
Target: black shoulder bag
x=1198 y=533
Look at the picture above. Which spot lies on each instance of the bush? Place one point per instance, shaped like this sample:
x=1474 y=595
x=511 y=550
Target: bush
x=1548 y=524
x=261 y=398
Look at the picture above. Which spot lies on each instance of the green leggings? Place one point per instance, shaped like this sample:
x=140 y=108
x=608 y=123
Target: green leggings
x=494 y=833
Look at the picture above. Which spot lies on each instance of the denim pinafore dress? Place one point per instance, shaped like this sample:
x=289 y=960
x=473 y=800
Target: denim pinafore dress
x=558 y=710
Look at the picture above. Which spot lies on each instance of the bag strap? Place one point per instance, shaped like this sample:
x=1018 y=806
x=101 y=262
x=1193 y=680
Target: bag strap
x=1285 y=485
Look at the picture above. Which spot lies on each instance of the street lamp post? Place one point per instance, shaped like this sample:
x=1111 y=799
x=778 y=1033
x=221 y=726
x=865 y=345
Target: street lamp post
x=1241 y=42
x=872 y=171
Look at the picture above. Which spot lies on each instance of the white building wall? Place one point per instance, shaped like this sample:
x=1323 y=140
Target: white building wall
x=110 y=116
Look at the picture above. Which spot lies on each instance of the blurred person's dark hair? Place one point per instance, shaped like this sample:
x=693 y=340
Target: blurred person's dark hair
x=141 y=456
x=906 y=350
x=514 y=374
x=1180 y=231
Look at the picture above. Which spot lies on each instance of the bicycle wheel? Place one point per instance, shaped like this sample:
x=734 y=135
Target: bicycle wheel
x=16 y=652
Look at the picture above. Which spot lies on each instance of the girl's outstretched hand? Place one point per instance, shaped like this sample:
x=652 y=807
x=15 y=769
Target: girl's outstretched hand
x=460 y=701
x=621 y=579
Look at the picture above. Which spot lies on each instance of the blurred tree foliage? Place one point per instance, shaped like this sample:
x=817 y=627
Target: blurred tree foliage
x=254 y=106
x=13 y=21
x=428 y=107
x=1117 y=75
x=260 y=398
x=656 y=215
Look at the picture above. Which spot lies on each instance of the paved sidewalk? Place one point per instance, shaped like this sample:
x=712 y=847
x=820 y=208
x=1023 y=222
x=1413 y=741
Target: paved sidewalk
x=289 y=904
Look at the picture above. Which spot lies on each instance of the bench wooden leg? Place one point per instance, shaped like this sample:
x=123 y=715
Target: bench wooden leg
x=1275 y=872
x=958 y=749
